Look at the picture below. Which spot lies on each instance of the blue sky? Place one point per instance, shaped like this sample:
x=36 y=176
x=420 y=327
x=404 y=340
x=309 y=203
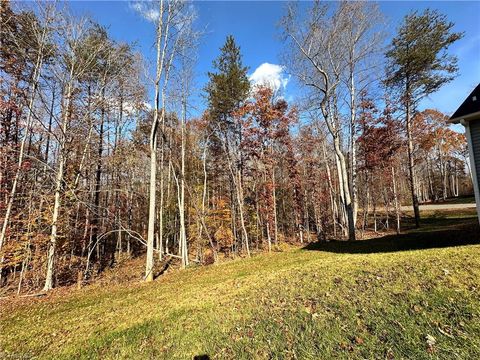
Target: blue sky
x=254 y=26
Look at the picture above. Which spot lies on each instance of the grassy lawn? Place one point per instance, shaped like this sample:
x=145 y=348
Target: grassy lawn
x=416 y=296
x=467 y=199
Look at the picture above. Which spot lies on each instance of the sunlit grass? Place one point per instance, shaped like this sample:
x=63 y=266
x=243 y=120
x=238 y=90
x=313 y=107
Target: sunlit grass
x=332 y=300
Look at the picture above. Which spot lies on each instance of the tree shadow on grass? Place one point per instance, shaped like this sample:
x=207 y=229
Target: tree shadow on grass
x=436 y=232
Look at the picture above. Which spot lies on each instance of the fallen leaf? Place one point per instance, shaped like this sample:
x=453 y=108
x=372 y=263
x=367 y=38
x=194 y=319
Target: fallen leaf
x=431 y=341
x=358 y=340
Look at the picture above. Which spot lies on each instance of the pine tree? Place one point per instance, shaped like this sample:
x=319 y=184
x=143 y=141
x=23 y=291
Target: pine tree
x=227 y=90
x=418 y=65
x=228 y=86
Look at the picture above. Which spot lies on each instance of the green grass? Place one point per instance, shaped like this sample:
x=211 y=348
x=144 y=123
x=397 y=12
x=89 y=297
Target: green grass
x=466 y=199
x=371 y=299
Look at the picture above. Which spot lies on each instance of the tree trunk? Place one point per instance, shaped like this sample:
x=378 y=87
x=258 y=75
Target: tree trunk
x=240 y=210
x=353 y=151
x=153 y=146
x=97 y=214
x=395 y=198
x=411 y=165
x=333 y=202
x=345 y=189
x=58 y=188
x=53 y=235
x=181 y=205
x=151 y=208
x=274 y=198
x=35 y=78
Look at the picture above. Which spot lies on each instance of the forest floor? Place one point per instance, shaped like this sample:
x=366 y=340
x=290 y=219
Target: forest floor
x=414 y=295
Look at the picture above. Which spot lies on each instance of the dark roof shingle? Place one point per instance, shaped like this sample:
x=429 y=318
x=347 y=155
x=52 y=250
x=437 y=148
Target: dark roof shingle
x=470 y=105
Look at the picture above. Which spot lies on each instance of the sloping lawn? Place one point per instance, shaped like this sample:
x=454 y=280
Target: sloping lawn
x=413 y=296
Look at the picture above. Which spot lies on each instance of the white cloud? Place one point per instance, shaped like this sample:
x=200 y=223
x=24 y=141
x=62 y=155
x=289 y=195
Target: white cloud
x=129 y=108
x=146 y=10
x=270 y=75
x=147 y=106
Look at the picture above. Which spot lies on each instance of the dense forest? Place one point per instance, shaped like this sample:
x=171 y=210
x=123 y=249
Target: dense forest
x=103 y=160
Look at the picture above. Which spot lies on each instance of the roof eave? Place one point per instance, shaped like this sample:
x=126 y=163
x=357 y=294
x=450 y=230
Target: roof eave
x=468 y=117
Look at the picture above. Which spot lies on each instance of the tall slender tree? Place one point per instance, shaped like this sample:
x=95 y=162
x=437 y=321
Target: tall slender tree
x=418 y=65
x=227 y=89
x=317 y=57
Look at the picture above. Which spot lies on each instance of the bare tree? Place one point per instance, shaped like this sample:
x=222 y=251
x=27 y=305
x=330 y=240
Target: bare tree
x=361 y=39
x=40 y=37
x=187 y=48
x=168 y=36
x=316 y=57
x=72 y=65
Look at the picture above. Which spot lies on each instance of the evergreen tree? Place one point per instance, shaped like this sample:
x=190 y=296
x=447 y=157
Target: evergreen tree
x=228 y=86
x=418 y=65
x=227 y=90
